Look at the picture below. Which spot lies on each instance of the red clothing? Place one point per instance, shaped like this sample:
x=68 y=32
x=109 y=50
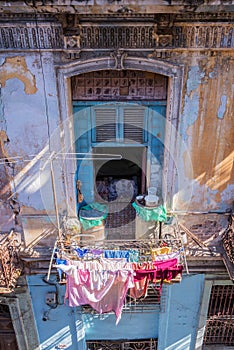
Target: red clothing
x=158 y=271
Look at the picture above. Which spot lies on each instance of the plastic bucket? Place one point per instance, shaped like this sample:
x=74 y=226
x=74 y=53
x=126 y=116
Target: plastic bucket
x=95 y=233
x=152 y=191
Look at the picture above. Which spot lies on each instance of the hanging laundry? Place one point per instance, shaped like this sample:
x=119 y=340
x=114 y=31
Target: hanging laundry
x=158 y=276
x=165 y=263
x=167 y=256
x=104 y=290
x=109 y=254
x=159 y=251
x=156 y=272
x=59 y=262
x=133 y=255
x=81 y=252
x=140 y=286
x=96 y=252
x=130 y=255
x=114 y=300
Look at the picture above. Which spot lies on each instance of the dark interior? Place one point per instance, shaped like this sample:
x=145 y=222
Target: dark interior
x=116 y=179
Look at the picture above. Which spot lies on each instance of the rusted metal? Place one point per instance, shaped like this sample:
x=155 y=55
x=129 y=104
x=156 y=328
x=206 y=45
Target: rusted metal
x=220 y=319
x=228 y=239
x=143 y=344
x=10 y=268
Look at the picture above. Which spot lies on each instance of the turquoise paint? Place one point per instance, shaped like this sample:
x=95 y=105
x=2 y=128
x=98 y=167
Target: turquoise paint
x=178 y=331
x=222 y=108
x=212 y=75
x=64 y=325
x=131 y=326
x=194 y=79
x=191 y=100
x=156 y=131
x=176 y=328
x=84 y=126
x=163 y=322
x=82 y=133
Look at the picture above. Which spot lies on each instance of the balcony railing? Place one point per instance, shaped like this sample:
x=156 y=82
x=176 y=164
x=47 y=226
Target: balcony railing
x=10 y=268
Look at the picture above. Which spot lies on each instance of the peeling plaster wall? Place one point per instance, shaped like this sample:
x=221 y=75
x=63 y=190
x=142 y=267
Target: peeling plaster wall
x=30 y=119
x=207 y=129
x=30 y=114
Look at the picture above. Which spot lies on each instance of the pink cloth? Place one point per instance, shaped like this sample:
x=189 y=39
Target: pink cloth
x=164 y=264
x=104 y=290
x=146 y=272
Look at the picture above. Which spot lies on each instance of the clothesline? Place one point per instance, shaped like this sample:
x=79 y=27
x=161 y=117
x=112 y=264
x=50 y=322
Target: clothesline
x=103 y=283
x=144 y=247
x=62 y=156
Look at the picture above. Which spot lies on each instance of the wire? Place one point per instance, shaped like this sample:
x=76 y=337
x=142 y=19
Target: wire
x=60 y=155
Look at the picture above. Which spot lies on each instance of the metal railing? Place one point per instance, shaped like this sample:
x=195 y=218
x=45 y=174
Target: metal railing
x=143 y=344
x=220 y=318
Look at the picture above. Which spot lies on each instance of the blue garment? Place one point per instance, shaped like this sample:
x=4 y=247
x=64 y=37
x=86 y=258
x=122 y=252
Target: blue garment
x=133 y=256
x=81 y=252
x=58 y=262
x=115 y=254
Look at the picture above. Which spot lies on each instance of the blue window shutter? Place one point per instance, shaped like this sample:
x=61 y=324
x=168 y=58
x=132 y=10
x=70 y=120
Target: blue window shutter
x=156 y=131
x=83 y=131
x=133 y=127
x=106 y=127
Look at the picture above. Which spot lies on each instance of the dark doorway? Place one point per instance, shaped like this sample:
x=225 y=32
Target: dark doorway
x=120 y=180
x=7 y=333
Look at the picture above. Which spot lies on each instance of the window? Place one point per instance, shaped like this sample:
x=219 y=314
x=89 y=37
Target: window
x=119 y=124
x=220 y=318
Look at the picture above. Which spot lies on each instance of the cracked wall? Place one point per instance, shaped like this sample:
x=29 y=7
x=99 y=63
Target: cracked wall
x=208 y=130
x=16 y=67
x=29 y=117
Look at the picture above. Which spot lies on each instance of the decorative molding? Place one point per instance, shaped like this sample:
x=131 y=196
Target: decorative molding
x=23 y=36
x=118 y=36
x=203 y=36
x=124 y=85
x=119 y=57
x=146 y=344
x=159 y=54
x=71 y=35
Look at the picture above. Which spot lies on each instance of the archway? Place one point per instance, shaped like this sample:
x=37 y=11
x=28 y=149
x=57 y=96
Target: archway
x=175 y=75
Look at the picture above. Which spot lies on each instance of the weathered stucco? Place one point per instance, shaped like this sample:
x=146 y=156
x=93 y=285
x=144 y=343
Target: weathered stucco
x=210 y=133
x=16 y=67
x=31 y=116
x=191 y=45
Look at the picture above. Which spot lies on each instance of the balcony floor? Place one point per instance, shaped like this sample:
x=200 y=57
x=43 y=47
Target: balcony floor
x=120 y=222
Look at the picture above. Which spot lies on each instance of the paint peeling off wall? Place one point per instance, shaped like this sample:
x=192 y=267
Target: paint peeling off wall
x=210 y=136
x=16 y=67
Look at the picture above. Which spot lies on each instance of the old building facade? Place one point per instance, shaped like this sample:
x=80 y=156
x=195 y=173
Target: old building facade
x=138 y=93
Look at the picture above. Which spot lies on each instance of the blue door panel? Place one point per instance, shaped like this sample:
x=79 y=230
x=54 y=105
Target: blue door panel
x=82 y=133
x=157 y=131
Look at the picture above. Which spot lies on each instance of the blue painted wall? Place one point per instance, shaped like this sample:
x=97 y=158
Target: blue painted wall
x=63 y=326
x=131 y=326
x=176 y=328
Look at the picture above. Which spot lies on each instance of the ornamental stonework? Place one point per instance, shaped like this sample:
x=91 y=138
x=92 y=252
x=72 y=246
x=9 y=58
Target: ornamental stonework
x=123 y=85
x=32 y=36
x=203 y=36
x=135 y=34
